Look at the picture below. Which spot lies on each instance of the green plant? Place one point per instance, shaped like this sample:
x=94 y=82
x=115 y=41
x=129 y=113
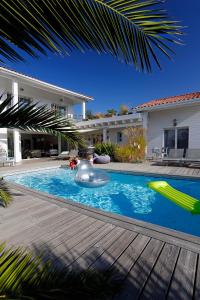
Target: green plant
x=5 y=196
x=105 y=148
x=111 y=112
x=134 y=149
x=131 y=30
x=27 y=276
x=123 y=109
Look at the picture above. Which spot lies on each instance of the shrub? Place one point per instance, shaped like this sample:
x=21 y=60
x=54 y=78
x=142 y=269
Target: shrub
x=105 y=149
x=134 y=150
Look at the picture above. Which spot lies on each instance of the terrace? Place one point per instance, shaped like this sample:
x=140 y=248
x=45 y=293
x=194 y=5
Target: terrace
x=153 y=262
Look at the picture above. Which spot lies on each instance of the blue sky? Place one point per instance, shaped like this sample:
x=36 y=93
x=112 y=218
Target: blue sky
x=112 y=83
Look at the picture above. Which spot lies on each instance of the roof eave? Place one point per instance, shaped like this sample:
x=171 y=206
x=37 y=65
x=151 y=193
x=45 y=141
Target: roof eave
x=42 y=84
x=168 y=105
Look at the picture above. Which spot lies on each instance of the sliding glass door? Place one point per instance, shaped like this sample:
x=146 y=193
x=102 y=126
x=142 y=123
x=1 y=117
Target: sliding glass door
x=182 y=138
x=169 y=138
x=176 y=138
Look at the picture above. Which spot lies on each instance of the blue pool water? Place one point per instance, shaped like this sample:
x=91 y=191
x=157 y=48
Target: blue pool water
x=125 y=194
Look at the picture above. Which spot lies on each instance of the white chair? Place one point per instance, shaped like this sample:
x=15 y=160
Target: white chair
x=4 y=159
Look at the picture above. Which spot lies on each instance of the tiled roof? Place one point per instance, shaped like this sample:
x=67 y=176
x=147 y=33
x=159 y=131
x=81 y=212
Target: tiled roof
x=168 y=100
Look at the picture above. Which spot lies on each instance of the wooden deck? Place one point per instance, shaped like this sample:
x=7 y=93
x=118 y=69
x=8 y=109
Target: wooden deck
x=153 y=262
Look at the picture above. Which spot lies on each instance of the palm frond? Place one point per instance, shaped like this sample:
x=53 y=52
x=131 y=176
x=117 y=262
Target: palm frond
x=33 y=117
x=132 y=30
x=27 y=276
x=5 y=196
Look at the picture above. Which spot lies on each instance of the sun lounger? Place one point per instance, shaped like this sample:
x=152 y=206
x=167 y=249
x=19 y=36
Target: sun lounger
x=174 y=156
x=192 y=155
x=63 y=155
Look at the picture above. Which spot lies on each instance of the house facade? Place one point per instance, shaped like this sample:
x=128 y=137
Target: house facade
x=25 y=89
x=172 y=122
x=110 y=129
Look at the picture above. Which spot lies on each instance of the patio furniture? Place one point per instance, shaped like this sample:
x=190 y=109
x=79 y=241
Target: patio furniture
x=35 y=153
x=53 y=152
x=63 y=155
x=174 y=156
x=192 y=155
x=101 y=159
x=4 y=159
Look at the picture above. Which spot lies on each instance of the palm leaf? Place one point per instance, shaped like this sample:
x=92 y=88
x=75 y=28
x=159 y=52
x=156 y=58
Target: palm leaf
x=27 y=276
x=32 y=117
x=5 y=196
x=131 y=30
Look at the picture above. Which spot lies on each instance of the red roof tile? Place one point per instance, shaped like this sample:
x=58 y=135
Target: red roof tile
x=168 y=100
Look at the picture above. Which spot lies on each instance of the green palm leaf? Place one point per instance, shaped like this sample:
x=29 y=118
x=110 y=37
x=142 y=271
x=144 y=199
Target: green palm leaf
x=27 y=276
x=132 y=30
x=5 y=196
x=33 y=117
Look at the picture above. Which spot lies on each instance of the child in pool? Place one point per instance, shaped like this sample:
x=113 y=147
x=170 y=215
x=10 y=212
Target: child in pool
x=90 y=159
x=73 y=163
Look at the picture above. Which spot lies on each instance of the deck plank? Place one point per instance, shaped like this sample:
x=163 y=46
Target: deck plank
x=139 y=274
x=182 y=285
x=93 y=253
x=158 y=282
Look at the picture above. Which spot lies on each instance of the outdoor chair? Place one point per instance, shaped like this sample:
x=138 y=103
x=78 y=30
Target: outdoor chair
x=63 y=155
x=174 y=156
x=192 y=156
x=4 y=159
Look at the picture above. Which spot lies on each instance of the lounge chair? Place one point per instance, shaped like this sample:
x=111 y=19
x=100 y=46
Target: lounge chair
x=192 y=156
x=174 y=156
x=63 y=155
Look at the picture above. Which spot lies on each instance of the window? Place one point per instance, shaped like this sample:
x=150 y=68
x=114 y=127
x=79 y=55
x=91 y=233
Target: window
x=176 y=138
x=24 y=101
x=59 y=110
x=62 y=111
x=119 y=137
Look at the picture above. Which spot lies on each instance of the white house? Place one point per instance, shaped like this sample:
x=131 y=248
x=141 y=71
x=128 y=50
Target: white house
x=172 y=122
x=25 y=89
x=108 y=129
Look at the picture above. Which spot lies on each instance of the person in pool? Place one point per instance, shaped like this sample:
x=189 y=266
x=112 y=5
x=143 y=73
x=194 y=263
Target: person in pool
x=72 y=163
x=90 y=159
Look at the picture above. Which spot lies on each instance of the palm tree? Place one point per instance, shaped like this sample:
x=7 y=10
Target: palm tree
x=131 y=30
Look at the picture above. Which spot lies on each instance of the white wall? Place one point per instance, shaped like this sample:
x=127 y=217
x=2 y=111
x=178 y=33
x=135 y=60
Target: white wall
x=111 y=133
x=188 y=116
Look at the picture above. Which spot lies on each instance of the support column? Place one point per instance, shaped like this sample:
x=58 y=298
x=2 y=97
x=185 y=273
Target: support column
x=59 y=145
x=83 y=109
x=145 y=117
x=16 y=133
x=104 y=135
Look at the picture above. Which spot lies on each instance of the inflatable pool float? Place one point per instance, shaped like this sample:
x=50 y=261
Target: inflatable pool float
x=89 y=177
x=183 y=200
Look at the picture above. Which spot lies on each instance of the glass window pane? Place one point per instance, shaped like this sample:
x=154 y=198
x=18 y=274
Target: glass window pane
x=182 y=138
x=169 y=138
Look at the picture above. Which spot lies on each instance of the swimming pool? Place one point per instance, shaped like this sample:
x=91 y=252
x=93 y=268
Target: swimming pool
x=125 y=194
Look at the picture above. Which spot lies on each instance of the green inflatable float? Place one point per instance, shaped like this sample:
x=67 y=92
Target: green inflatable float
x=183 y=200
